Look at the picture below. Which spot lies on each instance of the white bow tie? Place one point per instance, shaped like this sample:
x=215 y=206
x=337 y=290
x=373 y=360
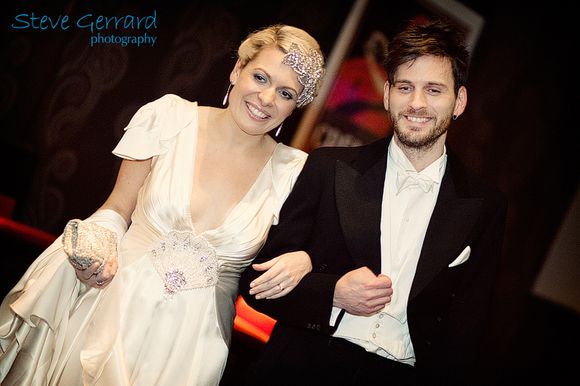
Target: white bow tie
x=411 y=179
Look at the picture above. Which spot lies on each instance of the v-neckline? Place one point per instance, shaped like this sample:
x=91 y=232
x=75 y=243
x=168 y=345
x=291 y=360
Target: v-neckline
x=233 y=209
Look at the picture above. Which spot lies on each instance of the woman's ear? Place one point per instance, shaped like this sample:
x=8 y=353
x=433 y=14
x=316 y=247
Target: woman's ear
x=234 y=75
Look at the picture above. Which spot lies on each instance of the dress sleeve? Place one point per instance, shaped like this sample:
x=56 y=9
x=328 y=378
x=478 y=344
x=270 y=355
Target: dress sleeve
x=287 y=166
x=154 y=126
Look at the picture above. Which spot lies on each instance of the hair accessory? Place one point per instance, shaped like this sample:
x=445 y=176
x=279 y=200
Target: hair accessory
x=278 y=129
x=309 y=69
x=227 y=94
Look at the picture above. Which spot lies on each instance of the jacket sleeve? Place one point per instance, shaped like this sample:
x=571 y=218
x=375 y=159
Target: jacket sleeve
x=310 y=303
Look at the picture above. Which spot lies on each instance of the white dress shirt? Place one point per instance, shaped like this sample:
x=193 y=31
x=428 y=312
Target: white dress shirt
x=404 y=218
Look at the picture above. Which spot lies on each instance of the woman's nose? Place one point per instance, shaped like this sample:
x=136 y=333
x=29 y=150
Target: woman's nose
x=267 y=96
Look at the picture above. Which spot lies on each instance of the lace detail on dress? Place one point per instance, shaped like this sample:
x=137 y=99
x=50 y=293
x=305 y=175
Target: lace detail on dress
x=185 y=261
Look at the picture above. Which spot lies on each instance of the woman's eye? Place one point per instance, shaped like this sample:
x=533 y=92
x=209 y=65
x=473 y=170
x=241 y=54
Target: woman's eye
x=286 y=94
x=260 y=78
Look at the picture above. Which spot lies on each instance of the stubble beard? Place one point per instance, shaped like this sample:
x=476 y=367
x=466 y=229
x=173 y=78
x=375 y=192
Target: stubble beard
x=419 y=141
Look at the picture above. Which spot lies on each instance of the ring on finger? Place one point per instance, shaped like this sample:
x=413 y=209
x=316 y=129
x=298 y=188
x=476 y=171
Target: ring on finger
x=100 y=282
x=280 y=287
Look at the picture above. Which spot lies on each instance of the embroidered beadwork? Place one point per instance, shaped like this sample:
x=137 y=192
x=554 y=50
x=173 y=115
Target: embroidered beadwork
x=185 y=261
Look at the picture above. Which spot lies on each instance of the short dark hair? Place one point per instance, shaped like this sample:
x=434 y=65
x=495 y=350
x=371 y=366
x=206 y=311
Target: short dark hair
x=437 y=38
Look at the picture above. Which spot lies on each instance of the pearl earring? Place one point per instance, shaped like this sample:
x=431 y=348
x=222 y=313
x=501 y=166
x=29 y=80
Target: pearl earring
x=279 y=128
x=225 y=101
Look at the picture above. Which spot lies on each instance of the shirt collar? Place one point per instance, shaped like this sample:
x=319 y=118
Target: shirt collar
x=399 y=160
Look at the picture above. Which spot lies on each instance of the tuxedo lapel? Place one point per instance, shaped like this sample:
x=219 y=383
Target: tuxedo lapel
x=359 y=193
x=452 y=219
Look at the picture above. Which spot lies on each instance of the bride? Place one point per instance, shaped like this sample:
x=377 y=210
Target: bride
x=196 y=193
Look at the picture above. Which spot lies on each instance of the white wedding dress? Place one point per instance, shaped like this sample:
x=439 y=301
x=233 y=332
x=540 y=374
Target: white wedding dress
x=167 y=316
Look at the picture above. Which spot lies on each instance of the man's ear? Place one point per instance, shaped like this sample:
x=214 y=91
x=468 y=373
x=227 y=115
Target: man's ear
x=386 y=89
x=460 y=101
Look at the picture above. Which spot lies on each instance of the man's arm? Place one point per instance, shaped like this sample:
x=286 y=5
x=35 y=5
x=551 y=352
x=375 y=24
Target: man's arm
x=330 y=283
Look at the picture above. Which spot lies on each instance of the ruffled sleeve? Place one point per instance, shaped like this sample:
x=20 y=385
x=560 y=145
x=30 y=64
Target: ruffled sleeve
x=287 y=164
x=154 y=126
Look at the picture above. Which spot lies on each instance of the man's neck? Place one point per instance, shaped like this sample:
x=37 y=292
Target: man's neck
x=421 y=158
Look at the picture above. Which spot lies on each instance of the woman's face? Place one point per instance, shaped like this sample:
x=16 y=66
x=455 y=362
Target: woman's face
x=264 y=93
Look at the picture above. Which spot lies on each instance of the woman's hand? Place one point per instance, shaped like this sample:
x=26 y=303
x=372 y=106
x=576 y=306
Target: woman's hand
x=93 y=278
x=282 y=274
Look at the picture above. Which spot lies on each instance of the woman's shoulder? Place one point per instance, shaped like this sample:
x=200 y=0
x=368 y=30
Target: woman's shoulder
x=287 y=162
x=155 y=126
x=171 y=111
x=173 y=102
x=285 y=152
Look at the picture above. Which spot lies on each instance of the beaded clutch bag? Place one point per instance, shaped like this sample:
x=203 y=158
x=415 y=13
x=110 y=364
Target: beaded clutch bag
x=86 y=243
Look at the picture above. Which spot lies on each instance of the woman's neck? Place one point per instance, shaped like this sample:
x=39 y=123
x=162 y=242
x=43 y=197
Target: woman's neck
x=221 y=128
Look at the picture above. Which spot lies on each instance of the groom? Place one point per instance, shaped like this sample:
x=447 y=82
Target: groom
x=404 y=241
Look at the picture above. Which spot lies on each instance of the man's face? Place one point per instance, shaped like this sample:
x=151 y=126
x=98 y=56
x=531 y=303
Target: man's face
x=421 y=102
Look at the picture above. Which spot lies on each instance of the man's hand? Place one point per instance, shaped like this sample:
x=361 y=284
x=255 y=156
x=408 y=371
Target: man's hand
x=361 y=292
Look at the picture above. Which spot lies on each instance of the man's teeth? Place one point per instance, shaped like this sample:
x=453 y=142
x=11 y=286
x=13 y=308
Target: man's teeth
x=418 y=119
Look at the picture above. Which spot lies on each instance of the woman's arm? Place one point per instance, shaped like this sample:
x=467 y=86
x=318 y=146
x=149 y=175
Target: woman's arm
x=122 y=200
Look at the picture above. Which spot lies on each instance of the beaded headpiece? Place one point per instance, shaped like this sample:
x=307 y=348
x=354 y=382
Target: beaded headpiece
x=309 y=70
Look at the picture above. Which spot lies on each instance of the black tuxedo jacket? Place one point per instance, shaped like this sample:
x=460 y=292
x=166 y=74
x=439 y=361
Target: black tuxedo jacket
x=334 y=214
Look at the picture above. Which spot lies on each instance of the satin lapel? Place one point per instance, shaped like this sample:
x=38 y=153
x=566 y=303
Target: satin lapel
x=452 y=220
x=359 y=192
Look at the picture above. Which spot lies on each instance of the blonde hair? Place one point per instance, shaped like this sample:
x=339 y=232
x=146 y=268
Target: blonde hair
x=279 y=35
